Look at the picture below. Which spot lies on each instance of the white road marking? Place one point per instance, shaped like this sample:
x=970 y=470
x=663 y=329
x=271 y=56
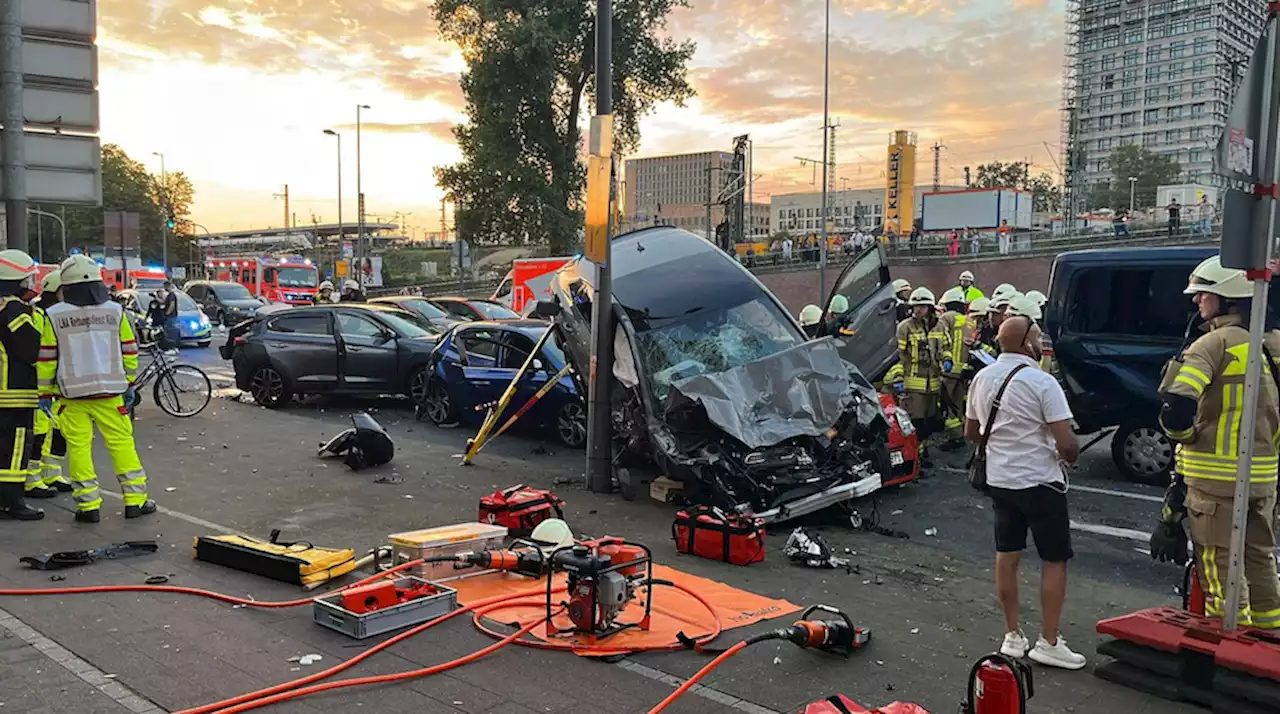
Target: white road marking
x=194 y=520
x=1112 y=531
x=1122 y=494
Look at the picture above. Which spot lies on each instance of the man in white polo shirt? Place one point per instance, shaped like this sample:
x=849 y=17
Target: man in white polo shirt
x=1030 y=442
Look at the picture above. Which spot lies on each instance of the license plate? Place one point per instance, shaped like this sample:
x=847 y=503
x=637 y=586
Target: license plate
x=895 y=458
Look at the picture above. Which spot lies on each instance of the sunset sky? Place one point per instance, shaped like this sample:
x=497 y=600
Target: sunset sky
x=236 y=93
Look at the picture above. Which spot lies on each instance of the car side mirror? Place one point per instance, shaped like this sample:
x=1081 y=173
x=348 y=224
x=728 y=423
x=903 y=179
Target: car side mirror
x=386 y=336
x=546 y=309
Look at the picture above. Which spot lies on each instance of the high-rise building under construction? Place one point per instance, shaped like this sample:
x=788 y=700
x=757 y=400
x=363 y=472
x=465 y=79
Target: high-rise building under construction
x=1156 y=73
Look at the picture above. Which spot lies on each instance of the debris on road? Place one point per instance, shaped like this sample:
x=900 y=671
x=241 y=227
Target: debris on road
x=931 y=532
x=808 y=548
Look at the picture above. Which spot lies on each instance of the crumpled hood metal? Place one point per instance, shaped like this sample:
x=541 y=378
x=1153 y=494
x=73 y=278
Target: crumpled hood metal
x=801 y=391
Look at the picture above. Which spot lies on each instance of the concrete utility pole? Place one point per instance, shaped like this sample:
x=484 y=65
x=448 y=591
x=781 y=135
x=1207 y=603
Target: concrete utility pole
x=826 y=129
x=11 y=113
x=599 y=404
x=341 y=232
x=164 y=225
x=710 y=190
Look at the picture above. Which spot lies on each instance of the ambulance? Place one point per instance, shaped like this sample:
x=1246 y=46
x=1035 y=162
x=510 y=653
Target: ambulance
x=291 y=280
x=528 y=281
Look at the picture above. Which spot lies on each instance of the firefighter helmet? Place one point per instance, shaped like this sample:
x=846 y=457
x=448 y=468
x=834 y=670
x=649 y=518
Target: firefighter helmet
x=810 y=315
x=1211 y=277
x=979 y=306
x=1003 y=289
x=325 y=285
x=16 y=266
x=350 y=285
x=952 y=295
x=967 y=275
x=839 y=305
x=1024 y=306
x=921 y=296
x=1038 y=297
x=999 y=303
x=80 y=269
x=901 y=284
x=51 y=282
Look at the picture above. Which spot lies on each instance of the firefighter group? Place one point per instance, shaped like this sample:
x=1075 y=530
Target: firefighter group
x=68 y=360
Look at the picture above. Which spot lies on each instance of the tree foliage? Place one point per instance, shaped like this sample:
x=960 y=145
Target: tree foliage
x=1046 y=193
x=126 y=186
x=1151 y=170
x=530 y=67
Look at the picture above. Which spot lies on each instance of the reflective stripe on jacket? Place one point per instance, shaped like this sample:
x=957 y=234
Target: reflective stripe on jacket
x=1212 y=372
x=87 y=351
x=921 y=350
x=956 y=325
x=18 y=354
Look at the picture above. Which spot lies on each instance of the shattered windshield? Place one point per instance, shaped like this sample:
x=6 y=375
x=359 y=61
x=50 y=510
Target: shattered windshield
x=711 y=339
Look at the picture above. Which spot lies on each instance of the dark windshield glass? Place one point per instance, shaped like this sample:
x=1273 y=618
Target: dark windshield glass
x=493 y=311
x=426 y=309
x=410 y=324
x=233 y=292
x=298 y=277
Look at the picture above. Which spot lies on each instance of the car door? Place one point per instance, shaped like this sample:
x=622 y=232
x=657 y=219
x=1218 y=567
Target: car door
x=200 y=294
x=866 y=333
x=367 y=353
x=483 y=379
x=303 y=348
x=515 y=350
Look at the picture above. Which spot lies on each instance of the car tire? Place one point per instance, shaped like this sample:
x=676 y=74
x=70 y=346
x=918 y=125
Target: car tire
x=206 y=343
x=438 y=406
x=269 y=388
x=1143 y=452
x=571 y=425
x=419 y=386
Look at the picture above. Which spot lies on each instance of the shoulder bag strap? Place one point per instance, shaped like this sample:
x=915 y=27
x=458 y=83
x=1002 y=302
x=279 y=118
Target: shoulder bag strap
x=995 y=407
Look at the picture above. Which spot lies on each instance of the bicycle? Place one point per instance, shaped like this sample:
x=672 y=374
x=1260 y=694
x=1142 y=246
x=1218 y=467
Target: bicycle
x=167 y=392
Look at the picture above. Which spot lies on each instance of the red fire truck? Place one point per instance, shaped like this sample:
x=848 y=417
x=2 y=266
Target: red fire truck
x=289 y=280
x=142 y=278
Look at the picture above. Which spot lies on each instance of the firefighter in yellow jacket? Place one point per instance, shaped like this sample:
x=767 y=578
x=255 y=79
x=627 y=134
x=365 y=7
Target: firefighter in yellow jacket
x=44 y=477
x=19 y=349
x=954 y=384
x=924 y=353
x=1202 y=408
x=88 y=359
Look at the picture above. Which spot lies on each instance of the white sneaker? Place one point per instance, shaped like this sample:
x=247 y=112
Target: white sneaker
x=1015 y=645
x=1056 y=655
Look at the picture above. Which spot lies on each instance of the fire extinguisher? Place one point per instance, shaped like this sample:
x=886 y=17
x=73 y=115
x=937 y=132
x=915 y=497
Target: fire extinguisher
x=998 y=685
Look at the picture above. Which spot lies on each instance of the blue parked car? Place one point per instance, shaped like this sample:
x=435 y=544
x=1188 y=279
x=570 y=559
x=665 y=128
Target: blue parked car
x=193 y=324
x=474 y=362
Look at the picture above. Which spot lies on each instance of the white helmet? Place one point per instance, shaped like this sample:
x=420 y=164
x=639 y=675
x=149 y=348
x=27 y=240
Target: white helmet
x=839 y=305
x=553 y=532
x=901 y=284
x=979 y=306
x=1211 y=277
x=51 y=282
x=921 y=296
x=350 y=284
x=1003 y=289
x=1024 y=306
x=325 y=285
x=967 y=275
x=1038 y=297
x=16 y=266
x=810 y=315
x=955 y=294
x=79 y=269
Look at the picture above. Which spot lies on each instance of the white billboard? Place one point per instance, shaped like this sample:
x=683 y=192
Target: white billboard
x=976 y=208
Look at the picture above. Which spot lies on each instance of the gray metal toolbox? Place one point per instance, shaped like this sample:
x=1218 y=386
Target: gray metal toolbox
x=327 y=612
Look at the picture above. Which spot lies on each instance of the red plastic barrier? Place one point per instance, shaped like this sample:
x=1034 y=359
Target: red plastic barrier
x=1169 y=629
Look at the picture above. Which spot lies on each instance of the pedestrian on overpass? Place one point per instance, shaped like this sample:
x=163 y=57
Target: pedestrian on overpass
x=89 y=359
x=1029 y=445
x=1202 y=395
x=18 y=388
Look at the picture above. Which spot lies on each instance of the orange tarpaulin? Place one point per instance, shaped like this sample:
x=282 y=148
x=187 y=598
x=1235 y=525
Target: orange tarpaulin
x=673 y=610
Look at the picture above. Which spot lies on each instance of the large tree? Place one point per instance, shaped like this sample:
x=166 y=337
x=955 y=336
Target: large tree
x=530 y=69
x=1151 y=170
x=1046 y=193
x=126 y=186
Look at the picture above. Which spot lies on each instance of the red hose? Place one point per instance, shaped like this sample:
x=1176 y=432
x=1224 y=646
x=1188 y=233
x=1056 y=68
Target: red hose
x=672 y=697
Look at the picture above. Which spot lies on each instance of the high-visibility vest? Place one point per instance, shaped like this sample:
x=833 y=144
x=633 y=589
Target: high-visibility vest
x=956 y=325
x=921 y=351
x=84 y=350
x=17 y=352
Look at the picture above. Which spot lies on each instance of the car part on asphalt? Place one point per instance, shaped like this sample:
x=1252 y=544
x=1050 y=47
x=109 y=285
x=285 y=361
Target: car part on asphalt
x=520 y=509
x=365 y=445
x=807 y=547
x=76 y=558
x=998 y=684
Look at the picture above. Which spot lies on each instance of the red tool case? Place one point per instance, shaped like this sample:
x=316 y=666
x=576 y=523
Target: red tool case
x=520 y=509
x=711 y=533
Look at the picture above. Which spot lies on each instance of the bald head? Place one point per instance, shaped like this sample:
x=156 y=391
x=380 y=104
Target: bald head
x=1016 y=333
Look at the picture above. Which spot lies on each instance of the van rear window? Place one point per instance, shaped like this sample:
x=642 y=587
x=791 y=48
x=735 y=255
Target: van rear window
x=1144 y=302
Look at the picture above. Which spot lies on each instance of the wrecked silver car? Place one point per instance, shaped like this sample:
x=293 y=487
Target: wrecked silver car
x=717 y=385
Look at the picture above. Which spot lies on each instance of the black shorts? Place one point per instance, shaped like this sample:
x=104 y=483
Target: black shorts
x=1041 y=509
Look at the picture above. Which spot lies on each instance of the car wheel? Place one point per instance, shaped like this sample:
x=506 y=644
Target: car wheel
x=419 y=386
x=438 y=405
x=571 y=425
x=269 y=388
x=1143 y=452
x=206 y=343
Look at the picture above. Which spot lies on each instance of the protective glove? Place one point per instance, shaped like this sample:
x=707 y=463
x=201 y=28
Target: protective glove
x=947 y=365
x=130 y=395
x=1169 y=543
x=46 y=406
x=899 y=387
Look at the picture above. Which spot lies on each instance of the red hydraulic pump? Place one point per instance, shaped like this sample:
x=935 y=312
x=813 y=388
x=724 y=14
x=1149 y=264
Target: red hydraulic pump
x=998 y=685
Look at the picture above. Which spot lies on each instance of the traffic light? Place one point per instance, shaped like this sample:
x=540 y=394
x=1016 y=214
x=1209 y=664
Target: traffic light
x=170 y=223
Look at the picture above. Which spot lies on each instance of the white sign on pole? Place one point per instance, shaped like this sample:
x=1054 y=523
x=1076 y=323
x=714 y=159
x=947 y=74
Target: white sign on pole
x=61 y=108
x=68 y=170
x=75 y=17
x=55 y=62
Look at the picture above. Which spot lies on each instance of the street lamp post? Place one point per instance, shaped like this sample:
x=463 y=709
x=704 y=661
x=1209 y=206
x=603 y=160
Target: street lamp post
x=359 y=205
x=826 y=120
x=1133 y=186
x=164 y=224
x=341 y=231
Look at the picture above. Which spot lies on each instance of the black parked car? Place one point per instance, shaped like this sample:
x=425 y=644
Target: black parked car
x=718 y=385
x=473 y=309
x=424 y=307
x=348 y=348
x=225 y=303
x=1115 y=317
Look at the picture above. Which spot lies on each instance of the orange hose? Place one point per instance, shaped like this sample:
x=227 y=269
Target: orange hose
x=671 y=698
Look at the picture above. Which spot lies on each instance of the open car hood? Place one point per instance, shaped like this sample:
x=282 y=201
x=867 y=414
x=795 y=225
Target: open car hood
x=801 y=391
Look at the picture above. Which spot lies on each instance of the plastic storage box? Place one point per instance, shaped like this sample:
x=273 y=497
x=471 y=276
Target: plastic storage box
x=327 y=611
x=445 y=540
